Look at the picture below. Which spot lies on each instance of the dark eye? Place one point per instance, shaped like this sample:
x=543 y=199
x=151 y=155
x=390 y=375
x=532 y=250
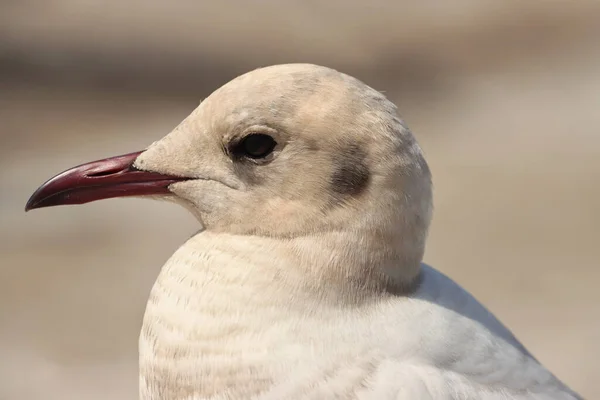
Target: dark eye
x=256 y=145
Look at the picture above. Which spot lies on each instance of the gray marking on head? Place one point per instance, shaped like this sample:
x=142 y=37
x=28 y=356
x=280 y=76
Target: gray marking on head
x=350 y=173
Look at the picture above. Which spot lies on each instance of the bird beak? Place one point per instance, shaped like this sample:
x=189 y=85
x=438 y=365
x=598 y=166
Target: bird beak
x=102 y=179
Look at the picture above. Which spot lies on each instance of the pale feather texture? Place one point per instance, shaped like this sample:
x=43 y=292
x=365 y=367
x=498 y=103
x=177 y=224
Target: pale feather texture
x=306 y=281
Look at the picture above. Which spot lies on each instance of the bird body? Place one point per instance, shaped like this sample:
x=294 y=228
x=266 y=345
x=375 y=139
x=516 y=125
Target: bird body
x=228 y=319
x=306 y=280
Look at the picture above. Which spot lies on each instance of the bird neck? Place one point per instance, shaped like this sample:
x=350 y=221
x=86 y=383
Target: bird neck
x=355 y=263
x=335 y=267
x=227 y=297
x=221 y=300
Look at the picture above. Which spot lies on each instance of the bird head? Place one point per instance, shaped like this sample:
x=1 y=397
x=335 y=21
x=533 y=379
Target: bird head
x=281 y=151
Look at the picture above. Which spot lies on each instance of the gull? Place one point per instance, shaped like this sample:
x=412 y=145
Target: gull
x=306 y=280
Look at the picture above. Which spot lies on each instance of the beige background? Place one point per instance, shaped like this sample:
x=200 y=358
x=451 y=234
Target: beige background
x=503 y=96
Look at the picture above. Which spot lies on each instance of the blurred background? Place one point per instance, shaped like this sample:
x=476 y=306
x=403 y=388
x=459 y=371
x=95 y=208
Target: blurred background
x=503 y=96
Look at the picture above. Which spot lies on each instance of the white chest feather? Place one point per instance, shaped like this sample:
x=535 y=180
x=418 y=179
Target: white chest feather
x=219 y=326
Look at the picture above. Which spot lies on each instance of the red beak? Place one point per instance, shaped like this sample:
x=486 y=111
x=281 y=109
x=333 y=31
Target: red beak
x=102 y=179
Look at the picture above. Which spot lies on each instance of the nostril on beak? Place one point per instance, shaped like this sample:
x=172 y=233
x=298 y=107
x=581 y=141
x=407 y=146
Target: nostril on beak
x=104 y=172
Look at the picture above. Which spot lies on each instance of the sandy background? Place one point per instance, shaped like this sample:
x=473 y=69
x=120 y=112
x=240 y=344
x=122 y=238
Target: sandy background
x=504 y=99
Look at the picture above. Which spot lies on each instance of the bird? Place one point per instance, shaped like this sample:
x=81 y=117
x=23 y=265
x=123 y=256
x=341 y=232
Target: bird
x=306 y=279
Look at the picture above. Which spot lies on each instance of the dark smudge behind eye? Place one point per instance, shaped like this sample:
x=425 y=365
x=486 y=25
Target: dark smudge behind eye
x=350 y=175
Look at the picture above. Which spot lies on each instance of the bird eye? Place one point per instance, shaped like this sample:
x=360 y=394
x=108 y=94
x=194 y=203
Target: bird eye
x=256 y=146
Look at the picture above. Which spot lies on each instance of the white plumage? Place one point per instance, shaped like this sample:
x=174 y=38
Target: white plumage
x=226 y=321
